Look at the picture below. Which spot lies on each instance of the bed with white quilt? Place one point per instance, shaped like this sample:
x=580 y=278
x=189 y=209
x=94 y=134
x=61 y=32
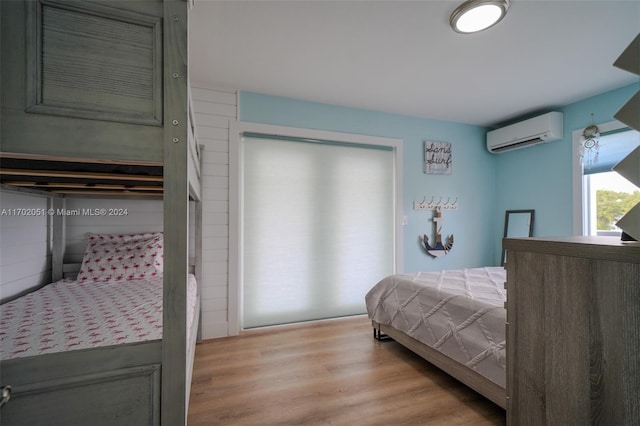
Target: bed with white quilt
x=455 y=319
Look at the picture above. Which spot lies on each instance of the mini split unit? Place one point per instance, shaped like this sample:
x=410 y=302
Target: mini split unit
x=541 y=129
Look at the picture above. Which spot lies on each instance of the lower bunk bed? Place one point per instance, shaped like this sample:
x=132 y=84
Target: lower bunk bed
x=455 y=319
x=91 y=347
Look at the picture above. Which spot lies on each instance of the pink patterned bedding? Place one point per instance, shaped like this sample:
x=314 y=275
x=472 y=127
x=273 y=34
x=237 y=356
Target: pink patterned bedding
x=68 y=315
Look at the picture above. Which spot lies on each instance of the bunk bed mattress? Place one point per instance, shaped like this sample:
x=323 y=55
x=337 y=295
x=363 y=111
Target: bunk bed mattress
x=67 y=315
x=457 y=312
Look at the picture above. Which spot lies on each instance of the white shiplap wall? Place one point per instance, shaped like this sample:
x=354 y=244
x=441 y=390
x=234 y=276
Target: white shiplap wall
x=214 y=110
x=25 y=241
x=142 y=215
x=25 y=261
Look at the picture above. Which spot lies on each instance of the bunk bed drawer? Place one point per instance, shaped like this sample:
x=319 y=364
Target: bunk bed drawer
x=103 y=386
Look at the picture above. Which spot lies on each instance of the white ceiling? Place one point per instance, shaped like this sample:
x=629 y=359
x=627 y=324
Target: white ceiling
x=402 y=56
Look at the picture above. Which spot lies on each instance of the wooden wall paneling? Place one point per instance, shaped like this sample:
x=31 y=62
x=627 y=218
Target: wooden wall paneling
x=176 y=214
x=214 y=108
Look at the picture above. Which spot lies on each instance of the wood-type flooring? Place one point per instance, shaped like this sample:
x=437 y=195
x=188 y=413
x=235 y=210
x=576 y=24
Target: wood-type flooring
x=326 y=373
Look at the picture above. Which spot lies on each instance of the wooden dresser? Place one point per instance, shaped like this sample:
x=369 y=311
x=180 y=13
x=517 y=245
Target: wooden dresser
x=573 y=331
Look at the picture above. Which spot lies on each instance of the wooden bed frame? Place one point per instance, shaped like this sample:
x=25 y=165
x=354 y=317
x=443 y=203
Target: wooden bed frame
x=475 y=381
x=140 y=119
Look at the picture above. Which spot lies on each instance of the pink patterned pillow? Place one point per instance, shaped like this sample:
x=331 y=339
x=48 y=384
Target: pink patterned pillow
x=113 y=257
x=122 y=238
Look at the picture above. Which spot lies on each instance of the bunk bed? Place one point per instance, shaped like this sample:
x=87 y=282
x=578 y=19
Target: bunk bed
x=95 y=102
x=455 y=319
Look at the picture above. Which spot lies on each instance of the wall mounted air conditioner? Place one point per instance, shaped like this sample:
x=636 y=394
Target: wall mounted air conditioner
x=541 y=129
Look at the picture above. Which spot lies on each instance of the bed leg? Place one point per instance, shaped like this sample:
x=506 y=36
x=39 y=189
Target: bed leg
x=379 y=335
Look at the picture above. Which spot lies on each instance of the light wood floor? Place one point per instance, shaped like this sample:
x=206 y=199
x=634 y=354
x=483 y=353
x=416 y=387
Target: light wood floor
x=328 y=372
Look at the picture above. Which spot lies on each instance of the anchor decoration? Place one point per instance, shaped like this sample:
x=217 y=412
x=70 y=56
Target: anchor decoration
x=439 y=249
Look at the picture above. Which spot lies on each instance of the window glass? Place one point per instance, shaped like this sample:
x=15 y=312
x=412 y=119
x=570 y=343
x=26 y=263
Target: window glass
x=608 y=197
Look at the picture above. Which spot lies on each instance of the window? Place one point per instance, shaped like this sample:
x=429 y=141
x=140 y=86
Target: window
x=607 y=196
x=318 y=227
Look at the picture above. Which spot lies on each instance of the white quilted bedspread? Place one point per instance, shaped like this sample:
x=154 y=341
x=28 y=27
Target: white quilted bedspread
x=458 y=312
x=67 y=315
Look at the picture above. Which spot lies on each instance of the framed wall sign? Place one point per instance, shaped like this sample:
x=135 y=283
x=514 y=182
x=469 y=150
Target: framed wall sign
x=437 y=158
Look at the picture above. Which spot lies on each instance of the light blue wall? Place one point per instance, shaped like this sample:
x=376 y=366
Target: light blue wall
x=486 y=185
x=540 y=177
x=473 y=178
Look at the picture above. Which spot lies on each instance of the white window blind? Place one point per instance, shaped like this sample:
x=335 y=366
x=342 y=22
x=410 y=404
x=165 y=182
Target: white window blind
x=613 y=147
x=318 y=228
x=599 y=216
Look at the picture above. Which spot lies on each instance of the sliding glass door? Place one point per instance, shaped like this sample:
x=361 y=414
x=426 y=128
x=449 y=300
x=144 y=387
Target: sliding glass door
x=317 y=226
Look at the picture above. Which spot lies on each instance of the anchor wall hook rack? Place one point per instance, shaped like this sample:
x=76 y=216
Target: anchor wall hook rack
x=439 y=248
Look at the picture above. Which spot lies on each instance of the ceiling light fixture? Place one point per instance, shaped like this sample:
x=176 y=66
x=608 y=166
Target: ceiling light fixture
x=477 y=15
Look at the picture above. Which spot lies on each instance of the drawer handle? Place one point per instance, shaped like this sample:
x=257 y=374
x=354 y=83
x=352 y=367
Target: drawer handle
x=5 y=395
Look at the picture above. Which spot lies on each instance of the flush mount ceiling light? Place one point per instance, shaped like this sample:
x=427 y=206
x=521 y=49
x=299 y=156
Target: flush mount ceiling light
x=477 y=15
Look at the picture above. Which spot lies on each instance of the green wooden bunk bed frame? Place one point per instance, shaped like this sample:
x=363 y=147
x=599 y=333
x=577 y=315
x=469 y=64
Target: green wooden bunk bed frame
x=104 y=82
